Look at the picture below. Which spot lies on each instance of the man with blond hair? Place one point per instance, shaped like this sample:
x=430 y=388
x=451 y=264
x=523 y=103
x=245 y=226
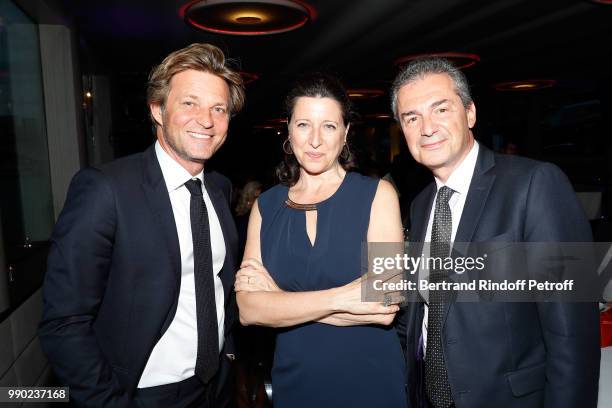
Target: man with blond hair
x=138 y=299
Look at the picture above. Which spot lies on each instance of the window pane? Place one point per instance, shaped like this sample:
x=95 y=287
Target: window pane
x=26 y=208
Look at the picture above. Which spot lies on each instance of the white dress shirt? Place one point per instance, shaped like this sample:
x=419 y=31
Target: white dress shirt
x=174 y=356
x=459 y=181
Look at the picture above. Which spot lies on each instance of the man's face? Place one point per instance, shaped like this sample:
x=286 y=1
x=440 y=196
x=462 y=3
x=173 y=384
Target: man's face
x=435 y=123
x=193 y=124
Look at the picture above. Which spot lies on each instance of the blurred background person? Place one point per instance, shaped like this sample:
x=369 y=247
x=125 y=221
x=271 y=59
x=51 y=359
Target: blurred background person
x=244 y=202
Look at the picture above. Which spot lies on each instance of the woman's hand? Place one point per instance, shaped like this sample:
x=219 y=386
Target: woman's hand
x=253 y=277
x=353 y=311
x=348 y=299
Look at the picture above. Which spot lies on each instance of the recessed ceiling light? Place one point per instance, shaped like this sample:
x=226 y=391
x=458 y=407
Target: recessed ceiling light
x=249 y=19
x=270 y=127
x=365 y=93
x=248 y=77
x=525 y=85
x=241 y=17
x=277 y=121
x=278 y=124
x=380 y=116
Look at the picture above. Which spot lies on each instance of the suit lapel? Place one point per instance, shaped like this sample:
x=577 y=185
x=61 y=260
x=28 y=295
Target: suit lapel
x=158 y=200
x=480 y=186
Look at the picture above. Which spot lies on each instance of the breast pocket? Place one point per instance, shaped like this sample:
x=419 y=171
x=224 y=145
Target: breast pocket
x=506 y=236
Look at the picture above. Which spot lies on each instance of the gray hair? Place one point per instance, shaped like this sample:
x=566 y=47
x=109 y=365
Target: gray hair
x=420 y=68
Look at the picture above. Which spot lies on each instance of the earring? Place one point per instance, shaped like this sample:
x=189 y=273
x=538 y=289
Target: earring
x=345 y=153
x=287 y=147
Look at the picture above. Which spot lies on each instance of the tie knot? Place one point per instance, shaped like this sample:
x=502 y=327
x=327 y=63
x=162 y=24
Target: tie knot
x=195 y=187
x=444 y=194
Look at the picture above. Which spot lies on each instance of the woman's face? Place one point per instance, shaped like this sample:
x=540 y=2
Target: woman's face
x=317 y=133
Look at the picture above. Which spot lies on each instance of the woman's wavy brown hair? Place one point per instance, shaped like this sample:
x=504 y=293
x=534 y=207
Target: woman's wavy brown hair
x=316 y=85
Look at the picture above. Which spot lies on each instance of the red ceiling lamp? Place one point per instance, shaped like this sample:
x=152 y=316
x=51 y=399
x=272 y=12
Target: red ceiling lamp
x=268 y=126
x=461 y=60
x=243 y=17
x=526 y=85
x=277 y=121
x=365 y=93
x=276 y=124
x=248 y=77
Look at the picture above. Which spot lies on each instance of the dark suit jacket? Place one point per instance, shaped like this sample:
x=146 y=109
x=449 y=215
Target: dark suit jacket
x=511 y=354
x=113 y=277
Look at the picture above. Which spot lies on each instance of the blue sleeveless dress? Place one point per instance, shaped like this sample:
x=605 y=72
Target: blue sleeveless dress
x=315 y=364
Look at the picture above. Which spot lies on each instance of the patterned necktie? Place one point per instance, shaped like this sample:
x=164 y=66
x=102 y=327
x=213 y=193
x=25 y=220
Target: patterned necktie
x=207 y=360
x=436 y=376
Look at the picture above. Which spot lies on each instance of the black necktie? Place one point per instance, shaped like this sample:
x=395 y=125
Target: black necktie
x=207 y=361
x=436 y=376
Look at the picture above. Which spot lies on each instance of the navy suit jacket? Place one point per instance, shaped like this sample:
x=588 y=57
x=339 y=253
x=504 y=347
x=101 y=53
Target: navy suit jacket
x=511 y=354
x=114 y=271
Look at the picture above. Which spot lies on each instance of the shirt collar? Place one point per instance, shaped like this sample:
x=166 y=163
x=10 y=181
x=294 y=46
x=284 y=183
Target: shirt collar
x=174 y=174
x=460 y=178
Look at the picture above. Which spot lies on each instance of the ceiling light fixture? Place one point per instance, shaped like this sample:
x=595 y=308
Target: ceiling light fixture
x=273 y=124
x=270 y=128
x=243 y=17
x=379 y=116
x=365 y=93
x=249 y=19
x=526 y=85
x=248 y=77
x=461 y=60
x=277 y=121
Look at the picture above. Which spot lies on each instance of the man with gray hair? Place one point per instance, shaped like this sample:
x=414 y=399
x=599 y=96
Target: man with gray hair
x=488 y=354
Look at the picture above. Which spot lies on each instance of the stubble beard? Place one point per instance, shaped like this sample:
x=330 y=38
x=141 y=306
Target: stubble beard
x=181 y=153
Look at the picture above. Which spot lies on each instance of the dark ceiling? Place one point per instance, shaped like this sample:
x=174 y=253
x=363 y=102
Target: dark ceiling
x=361 y=39
x=565 y=40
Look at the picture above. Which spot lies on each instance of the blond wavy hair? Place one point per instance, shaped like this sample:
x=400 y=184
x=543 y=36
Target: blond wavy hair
x=199 y=57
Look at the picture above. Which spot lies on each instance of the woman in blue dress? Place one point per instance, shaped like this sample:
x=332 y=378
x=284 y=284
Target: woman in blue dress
x=302 y=263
